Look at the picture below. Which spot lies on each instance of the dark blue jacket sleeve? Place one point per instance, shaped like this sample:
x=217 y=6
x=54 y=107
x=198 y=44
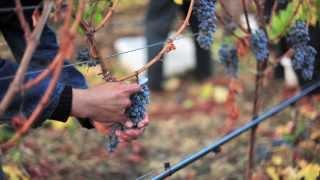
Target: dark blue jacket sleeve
x=25 y=102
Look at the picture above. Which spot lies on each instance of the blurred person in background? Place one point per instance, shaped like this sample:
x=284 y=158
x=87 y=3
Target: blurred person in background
x=160 y=17
x=104 y=104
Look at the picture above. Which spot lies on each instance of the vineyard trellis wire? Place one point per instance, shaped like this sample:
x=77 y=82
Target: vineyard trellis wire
x=216 y=146
x=160 y=43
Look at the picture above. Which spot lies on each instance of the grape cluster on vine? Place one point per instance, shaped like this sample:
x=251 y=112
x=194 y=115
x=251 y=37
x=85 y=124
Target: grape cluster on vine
x=304 y=54
x=259 y=43
x=229 y=58
x=303 y=60
x=298 y=34
x=205 y=12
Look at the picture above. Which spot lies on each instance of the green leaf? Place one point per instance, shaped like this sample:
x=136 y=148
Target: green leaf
x=279 y=22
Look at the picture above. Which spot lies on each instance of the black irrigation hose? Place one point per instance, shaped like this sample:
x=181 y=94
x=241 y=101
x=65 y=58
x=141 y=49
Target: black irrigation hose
x=215 y=147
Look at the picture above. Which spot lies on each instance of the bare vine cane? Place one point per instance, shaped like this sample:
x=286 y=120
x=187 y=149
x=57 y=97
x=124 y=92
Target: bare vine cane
x=255 y=107
x=262 y=69
x=91 y=41
x=229 y=15
x=32 y=39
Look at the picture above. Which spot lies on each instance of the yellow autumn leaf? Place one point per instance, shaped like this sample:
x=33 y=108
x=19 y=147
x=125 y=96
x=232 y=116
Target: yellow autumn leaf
x=277 y=160
x=62 y=125
x=272 y=173
x=220 y=94
x=309 y=172
x=179 y=2
x=14 y=173
x=207 y=91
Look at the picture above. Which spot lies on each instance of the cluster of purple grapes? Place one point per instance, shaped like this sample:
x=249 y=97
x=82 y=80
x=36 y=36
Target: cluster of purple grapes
x=136 y=112
x=84 y=57
x=259 y=44
x=229 y=58
x=304 y=54
x=298 y=34
x=303 y=60
x=205 y=12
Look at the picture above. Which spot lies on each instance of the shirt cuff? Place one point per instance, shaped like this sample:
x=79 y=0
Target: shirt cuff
x=63 y=109
x=86 y=123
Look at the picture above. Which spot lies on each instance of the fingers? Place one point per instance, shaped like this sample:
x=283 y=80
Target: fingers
x=129 y=124
x=129 y=135
x=144 y=123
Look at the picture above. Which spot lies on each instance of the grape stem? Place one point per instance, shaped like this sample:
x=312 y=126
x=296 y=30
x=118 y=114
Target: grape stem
x=225 y=9
x=220 y=19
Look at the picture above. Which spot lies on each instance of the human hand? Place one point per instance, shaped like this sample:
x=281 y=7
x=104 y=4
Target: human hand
x=105 y=103
x=129 y=134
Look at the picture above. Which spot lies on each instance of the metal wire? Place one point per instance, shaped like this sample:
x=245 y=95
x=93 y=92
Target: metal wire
x=12 y=9
x=107 y=57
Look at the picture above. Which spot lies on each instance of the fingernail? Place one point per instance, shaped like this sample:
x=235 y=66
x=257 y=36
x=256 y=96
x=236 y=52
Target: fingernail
x=129 y=124
x=118 y=133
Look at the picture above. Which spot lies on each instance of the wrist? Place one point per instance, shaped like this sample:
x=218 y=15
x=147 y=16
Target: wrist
x=80 y=103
